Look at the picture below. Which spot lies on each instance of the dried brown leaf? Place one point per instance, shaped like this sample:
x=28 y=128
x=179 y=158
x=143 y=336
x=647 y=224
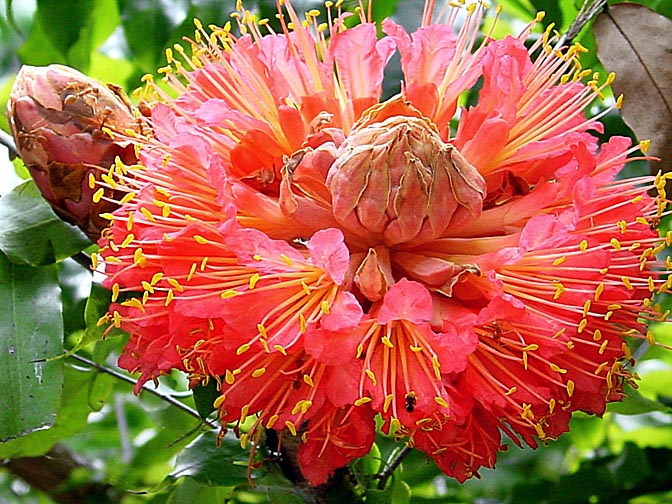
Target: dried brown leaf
x=636 y=43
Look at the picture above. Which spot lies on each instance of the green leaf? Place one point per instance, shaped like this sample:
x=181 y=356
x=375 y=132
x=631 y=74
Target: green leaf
x=84 y=391
x=636 y=403
x=206 y=463
x=192 y=492
x=98 y=22
x=147 y=26
x=96 y=307
x=204 y=397
x=31 y=331
x=31 y=233
x=397 y=493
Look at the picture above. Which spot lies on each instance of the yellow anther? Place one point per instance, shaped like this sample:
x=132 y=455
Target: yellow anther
x=271 y=421
x=128 y=240
x=557 y=369
x=601 y=367
x=324 y=307
x=262 y=331
x=559 y=261
x=362 y=400
x=441 y=401
x=264 y=344
x=258 y=372
x=598 y=291
x=148 y=215
x=603 y=346
x=98 y=195
x=169 y=297
x=219 y=401
x=192 y=271
x=175 y=284
x=531 y=347
x=200 y=239
x=291 y=427
x=387 y=402
x=302 y=323
x=280 y=349
x=115 y=292
x=627 y=283
x=371 y=376
x=308 y=380
x=583 y=246
x=512 y=390
x=242 y=349
x=582 y=325
x=305 y=288
x=127 y=197
x=254 y=279
x=386 y=341
x=228 y=294
x=559 y=290
x=597 y=335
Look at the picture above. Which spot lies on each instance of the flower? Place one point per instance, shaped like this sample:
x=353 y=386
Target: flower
x=327 y=257
x=62 y=122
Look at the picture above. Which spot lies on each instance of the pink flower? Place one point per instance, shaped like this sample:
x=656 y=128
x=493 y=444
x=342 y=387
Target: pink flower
x=327 y=258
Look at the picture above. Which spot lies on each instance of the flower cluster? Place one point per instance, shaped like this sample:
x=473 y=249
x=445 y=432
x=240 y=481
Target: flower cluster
x=326 y=257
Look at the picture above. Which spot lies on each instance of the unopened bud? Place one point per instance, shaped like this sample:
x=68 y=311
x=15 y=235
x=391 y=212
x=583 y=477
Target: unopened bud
x=61 y=121
x=396 y=181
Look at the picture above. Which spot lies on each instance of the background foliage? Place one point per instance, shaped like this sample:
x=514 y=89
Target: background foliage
x=67 y=426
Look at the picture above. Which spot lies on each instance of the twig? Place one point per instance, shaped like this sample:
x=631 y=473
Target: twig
x=169 y=399
x=588 y=10
x=389 y=469
x=8 y=141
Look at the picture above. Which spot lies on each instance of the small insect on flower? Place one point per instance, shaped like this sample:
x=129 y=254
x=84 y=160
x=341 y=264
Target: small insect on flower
x=410 y=401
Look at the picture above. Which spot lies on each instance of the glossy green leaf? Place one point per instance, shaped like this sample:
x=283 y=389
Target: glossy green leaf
x=189 y=491
x=31 y=331
x=147 y=27
x=397 y=492
x=637 y=403
x=207 y=463
x=31 y=233
x=84 y=391
x=204 y=397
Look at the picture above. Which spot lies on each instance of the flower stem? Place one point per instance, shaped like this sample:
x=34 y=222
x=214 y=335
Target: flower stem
x=395 y=462
x=8 y=142
x=164 y=397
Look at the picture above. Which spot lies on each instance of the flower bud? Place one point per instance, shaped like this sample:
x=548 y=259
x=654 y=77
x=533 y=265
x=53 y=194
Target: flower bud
x=396 y=181
x=57 y=116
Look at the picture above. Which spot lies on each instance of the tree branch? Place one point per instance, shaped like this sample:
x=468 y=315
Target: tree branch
x=51 y=474
x=8 y=141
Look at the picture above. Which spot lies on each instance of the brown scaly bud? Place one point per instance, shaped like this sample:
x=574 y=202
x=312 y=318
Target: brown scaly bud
x=396 y=181
x=63 y=124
